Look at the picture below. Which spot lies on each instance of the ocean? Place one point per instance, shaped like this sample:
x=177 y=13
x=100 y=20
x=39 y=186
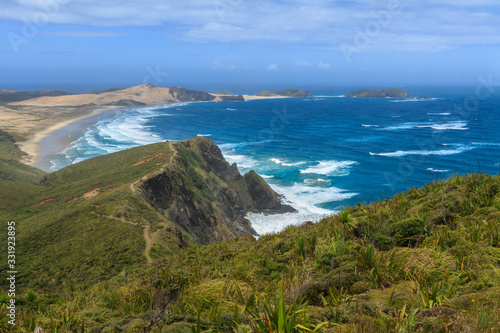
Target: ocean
x=321 y=153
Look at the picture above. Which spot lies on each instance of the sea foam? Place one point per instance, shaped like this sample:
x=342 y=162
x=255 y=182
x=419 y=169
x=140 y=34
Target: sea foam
x=441 y=152
x=452 y=125
x=305 y=199
x=438 y=170
x=330 y=168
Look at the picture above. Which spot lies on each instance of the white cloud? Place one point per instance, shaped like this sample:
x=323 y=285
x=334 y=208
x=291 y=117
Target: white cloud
x=303 y=63
x=272 y=67
x=324 y=65
x=432 y=24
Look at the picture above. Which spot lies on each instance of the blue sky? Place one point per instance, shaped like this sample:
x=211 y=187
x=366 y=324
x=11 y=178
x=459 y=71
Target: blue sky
x=274 y=43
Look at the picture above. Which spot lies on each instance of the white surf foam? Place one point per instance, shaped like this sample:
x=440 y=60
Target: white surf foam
x=438 y=170
x=305 y=199
x=244 y=163
x=453 y=125
x=204 y=135
x=402 y=126
x=126 y=129
x=316 y=181
x=330 y=168
x=442 y=152
x=439 y=113
x=285 y=162
x=370 y=125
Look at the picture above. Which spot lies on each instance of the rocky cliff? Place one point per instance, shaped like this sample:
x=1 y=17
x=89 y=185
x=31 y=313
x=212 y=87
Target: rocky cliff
x=204 y=195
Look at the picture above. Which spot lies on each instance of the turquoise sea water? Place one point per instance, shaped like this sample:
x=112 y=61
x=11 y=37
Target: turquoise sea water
x=323 y=152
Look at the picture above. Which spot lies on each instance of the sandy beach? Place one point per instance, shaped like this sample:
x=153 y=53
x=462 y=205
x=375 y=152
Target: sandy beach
x=32 y=147
x=36 y=123
x=253 y=97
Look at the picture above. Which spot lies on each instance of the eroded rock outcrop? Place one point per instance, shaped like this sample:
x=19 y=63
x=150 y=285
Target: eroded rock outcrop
x=206 y=196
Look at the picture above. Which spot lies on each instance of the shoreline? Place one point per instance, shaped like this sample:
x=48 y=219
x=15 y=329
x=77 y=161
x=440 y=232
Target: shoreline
x=32 y=145
x=33 y=148
x=255 y=97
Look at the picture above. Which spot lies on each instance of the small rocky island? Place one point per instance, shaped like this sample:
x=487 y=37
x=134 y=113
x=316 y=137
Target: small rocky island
x=286 y=93
x=378 y=93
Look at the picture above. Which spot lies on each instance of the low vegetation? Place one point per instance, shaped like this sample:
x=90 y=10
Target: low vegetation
x=11 y=96
x=427 y=260
x=8 y=147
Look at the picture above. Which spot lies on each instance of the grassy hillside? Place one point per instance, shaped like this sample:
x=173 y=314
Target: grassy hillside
x=114 y=214
x=83 y=224
x=11 y=170
x=427 y=260
x=8 y=147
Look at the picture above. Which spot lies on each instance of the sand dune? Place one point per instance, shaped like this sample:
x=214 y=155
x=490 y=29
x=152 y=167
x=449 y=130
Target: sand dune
x=145 y=94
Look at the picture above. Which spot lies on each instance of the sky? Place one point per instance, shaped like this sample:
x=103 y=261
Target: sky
x=77 y=44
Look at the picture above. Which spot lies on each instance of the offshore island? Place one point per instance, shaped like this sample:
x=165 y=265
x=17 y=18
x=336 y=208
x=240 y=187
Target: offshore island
x=379 y=93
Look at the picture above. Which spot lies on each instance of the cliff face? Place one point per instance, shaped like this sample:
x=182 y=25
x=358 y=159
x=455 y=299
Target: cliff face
x=186 y=95
x=200 y=192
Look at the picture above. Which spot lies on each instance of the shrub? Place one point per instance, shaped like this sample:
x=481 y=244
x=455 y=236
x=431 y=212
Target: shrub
x=383 y=242
x=324 y=262
x=360 y=287
x=408 y=232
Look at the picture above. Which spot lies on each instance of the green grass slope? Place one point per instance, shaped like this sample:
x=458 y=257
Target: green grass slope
x=11 y=170
x=18 y=183
x=114 y=214
x=84 y=224
x=427 y=260
x=8 y=147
